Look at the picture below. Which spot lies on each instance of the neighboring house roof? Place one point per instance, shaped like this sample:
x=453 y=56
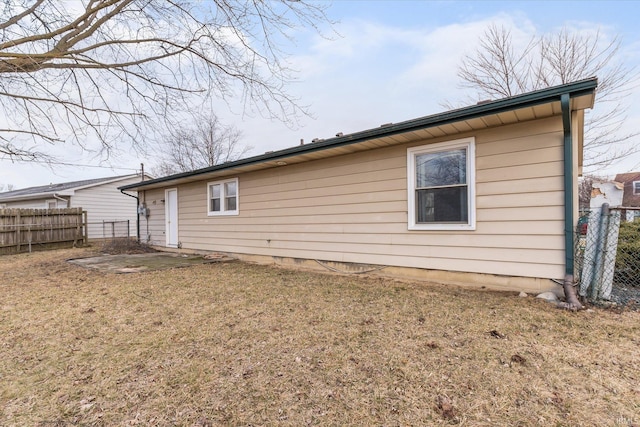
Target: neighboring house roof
x=532 y=105
x=60 y=189
x=629 y=199
x=627 y=177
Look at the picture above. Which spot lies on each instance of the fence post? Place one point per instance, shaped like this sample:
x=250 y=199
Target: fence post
x=78 y=231
x=85 y=228
x=610 y=255
x=599 y=258
x=18 y=226
x=590 y=262
x=601 y=244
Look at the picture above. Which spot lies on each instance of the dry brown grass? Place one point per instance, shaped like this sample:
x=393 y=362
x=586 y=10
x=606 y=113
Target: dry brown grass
x=239 y=344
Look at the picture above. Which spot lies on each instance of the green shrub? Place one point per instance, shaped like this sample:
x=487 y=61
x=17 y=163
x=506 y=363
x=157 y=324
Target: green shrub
x=628 y=255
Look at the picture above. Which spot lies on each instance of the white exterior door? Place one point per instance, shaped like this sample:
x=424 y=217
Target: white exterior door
x=171 y=217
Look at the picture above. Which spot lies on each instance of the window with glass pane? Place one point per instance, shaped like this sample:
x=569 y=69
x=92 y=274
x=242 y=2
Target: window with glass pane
x=223 y=197
x=214 y=191
x=441 y=187
x=230 y=196
x=636 y=187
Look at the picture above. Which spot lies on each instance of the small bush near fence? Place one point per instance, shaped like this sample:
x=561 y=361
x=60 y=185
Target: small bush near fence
x=628 y=254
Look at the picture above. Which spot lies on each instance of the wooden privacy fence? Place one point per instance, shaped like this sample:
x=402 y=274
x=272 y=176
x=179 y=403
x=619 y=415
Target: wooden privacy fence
x=26 y=230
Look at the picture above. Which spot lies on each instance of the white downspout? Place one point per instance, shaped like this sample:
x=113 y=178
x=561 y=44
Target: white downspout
x=55 y=196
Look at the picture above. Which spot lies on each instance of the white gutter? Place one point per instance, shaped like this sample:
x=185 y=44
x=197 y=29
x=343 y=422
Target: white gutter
x=55 y=196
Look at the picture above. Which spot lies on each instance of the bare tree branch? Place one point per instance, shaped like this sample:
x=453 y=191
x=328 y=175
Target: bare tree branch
x=119 y=72
x=26 y=12
x=206 y=142
x=499 y=69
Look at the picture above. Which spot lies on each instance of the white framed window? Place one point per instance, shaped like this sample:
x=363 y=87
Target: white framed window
x=636 y=187
x=441 y=186
x=222 y=197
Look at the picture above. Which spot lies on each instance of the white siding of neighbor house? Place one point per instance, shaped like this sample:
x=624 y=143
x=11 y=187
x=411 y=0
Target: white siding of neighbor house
x=105 y=203
x=34 y=203
x=353 y=208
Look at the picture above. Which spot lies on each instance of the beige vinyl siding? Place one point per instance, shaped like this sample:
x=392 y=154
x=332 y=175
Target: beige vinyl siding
x=106 y=203
x=152 y=228
x=353 y=208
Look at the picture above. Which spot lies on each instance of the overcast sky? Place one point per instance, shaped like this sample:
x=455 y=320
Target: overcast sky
x=384 y=61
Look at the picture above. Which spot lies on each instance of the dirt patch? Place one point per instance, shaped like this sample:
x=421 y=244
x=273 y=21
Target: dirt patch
x=125 y=246
x=136 y=263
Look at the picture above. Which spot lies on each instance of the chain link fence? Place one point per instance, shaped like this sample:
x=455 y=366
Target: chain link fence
x=608 y=255
x=109 y=229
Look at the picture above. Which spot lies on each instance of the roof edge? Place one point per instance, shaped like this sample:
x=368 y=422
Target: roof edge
x=33 y=196
x=110 y=181
x=66 y=190
x=574 y=89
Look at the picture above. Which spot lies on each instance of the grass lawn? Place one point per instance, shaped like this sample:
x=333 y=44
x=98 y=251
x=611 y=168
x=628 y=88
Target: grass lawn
x=247 y=345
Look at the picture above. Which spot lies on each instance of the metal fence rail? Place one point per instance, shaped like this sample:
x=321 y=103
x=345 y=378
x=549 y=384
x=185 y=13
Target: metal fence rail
x=110 y=229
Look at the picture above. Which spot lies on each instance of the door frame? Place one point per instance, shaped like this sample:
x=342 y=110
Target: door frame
x=168 y=206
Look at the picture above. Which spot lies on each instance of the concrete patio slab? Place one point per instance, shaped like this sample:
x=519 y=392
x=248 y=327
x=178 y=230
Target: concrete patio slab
x=135 y=263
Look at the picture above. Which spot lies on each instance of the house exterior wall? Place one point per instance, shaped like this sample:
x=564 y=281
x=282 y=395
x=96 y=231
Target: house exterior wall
x=36 y=203
x=605 y=192
x=631 y=199
x=106 y=203
x=353 y=209
x=152 y=228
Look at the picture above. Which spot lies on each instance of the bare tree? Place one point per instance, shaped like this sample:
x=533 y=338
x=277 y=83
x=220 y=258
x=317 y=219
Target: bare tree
x=207 y=143
x=500 y=69
x=6 y=187
x=108 y=71
x=585 y=187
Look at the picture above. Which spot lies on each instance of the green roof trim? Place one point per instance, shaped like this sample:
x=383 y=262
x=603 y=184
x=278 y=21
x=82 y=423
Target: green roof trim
x=575 y=89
